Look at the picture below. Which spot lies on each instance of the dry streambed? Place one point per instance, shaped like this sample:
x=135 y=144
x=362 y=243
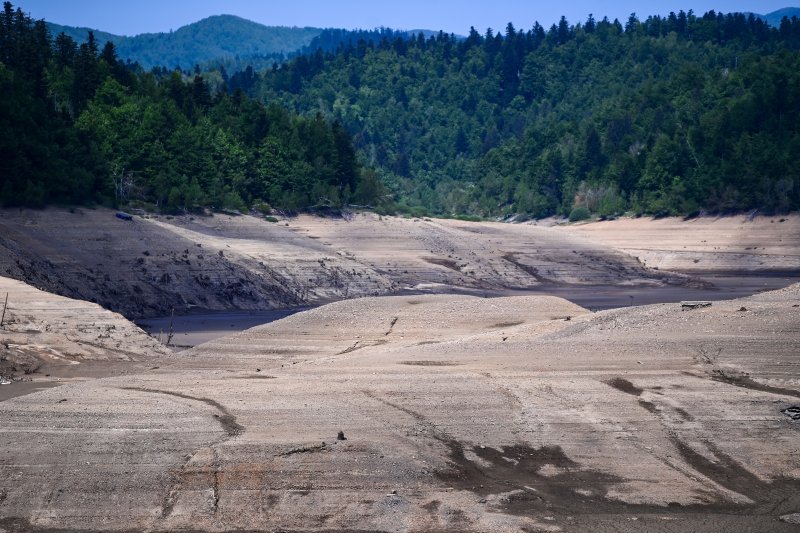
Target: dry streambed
x=458 y=413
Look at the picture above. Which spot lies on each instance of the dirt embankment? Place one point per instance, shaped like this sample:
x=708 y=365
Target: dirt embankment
x=47 y=339
x=735 y=244
x=458 y=413
x=150 y=265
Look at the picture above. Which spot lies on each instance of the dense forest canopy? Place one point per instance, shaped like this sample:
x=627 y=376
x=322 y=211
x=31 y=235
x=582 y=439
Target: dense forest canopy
x=664 y=115
x=78 y=126
x=668 y=115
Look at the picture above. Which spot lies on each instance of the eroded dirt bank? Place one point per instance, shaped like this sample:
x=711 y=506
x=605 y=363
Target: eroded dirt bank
x=148 y=266
x=459 y=413
x=734 y=244
x=47 y=340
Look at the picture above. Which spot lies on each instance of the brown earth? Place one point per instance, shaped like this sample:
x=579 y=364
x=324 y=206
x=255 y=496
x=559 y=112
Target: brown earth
x=46 y=340
x=705 y=245
x=148 y=266
x=523 y=413
x=459 y=413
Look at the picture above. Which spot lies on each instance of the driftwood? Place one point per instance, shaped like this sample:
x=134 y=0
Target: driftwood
x=694 y=305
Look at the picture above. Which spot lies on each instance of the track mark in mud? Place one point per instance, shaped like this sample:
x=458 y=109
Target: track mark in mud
x=359 y=345
x=432 y=506
x=623 y=385
x=532 y=479
x=254 y=377
x=225 y=419
x=502 y=325
x=406 y=410
x=781 y=494
x=650 y=406
x=391 y=326
x=745 y=381
x=529 y=270
x=231 y=427
x=430 y=363
x=724 y=471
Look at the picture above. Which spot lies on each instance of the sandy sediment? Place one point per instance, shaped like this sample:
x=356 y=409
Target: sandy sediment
x=47 y=339
x=148 y=266
x=459 y=413
x=736 y=244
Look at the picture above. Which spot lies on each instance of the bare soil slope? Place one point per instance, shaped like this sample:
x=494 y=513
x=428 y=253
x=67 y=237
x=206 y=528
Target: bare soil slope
x=46 y=339
x=735 y=244
x=150 y=265
x=459 y=413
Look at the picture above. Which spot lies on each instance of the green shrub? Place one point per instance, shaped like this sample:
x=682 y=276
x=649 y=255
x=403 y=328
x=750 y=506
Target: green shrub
x=579 y=213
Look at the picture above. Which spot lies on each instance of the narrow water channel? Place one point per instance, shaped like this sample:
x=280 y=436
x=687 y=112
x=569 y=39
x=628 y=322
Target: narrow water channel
x=193 y=329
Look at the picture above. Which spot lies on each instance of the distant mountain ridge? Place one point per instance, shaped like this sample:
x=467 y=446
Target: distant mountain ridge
x=222 y=39
x=225 y=40
x=213 y=38
x=774 y=18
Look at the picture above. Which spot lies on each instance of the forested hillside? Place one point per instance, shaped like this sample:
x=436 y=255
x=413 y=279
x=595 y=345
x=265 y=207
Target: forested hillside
x=78 y=126
x=668 y=115
x=221 y=39
x=664 y=115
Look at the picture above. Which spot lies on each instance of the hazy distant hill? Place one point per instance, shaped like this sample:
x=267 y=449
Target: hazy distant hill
x=79 y=34
x=774 y=18
x=213 y=38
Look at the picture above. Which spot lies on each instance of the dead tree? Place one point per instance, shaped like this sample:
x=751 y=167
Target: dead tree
x=5 y=306
x=171 y=330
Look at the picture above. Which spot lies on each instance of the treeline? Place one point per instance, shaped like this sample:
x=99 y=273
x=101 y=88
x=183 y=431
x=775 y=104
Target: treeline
x=79 y=126
x=666 y=115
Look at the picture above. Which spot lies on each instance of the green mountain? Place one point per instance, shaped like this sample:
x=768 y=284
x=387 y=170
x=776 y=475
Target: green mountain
x=80 y=34
x=664 y=115
x=212 y=39
x=79 y=126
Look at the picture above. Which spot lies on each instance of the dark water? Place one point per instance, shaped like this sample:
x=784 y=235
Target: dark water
x=726 y=287
x=194 y=329
x=191 y=330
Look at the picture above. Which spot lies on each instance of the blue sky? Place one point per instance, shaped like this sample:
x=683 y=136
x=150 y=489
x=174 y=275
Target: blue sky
x=133 y=17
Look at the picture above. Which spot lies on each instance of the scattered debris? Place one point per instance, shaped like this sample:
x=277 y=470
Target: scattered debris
x=792 y=412
x=793 y=518
x=694 y=304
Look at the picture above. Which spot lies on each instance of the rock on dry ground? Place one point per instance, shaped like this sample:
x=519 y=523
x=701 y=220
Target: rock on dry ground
x=459 y=413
